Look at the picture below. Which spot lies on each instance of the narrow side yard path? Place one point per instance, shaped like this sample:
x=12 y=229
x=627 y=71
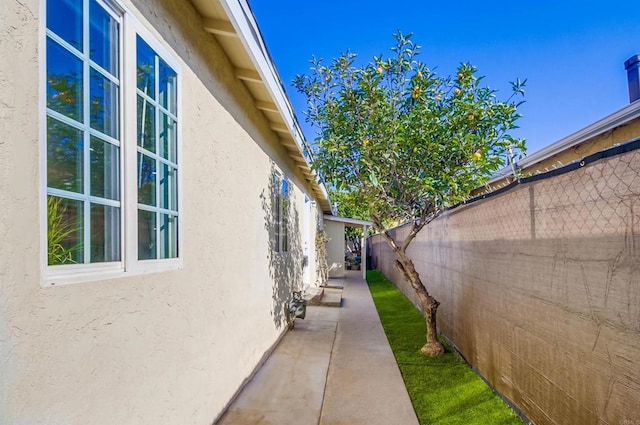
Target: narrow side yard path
x=364 y=384
x=335 y=368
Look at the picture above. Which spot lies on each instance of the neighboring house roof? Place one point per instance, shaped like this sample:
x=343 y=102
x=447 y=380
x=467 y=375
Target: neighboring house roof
x=234 y=26
x=549 y=156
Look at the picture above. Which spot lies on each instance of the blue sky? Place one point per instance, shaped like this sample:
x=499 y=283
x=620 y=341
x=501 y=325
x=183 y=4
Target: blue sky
x=572 y=53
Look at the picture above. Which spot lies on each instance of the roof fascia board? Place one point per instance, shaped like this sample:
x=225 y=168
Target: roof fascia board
x=348 y=220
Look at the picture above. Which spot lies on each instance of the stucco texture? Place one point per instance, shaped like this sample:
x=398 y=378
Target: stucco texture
x=160 y=348
x=539 y=291
x=335 y=248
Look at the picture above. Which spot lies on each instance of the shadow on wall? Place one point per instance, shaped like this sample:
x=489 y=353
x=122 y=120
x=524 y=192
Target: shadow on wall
x=285 y=254
x=322 y=266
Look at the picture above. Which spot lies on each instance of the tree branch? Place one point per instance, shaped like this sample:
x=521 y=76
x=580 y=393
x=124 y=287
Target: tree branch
x=377 y=223
x=427 y=214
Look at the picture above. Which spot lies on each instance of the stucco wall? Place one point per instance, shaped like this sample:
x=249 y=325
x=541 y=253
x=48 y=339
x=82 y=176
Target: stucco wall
x=335 y=248
x=540 y=290
x=310 y=271
x=161 y=348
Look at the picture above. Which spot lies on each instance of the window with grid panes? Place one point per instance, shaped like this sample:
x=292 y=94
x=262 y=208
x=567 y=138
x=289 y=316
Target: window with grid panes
x=86 y=139
x=84 y=206
x=157 y=155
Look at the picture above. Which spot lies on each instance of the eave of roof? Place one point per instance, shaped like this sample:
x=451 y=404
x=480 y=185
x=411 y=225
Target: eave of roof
x=348 y=221
x=233 y=24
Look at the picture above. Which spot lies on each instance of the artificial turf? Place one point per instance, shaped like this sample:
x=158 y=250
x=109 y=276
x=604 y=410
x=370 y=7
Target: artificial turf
x=444 y=389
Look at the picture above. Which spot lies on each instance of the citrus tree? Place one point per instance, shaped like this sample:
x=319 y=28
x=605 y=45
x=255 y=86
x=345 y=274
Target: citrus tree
x=407 y=142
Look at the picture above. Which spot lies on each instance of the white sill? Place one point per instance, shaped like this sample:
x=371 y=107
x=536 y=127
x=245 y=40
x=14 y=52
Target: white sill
x=85 y=273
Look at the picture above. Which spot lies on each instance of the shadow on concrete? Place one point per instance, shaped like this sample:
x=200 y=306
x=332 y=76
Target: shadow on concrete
x=285 y=255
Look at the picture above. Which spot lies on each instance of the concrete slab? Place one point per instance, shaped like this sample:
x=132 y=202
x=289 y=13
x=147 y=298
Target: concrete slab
x=320 y=313
x=337 y=282
x=335 y=368
x=289 y=387
x=364 y=384
x=332 y=297
x=313 y=295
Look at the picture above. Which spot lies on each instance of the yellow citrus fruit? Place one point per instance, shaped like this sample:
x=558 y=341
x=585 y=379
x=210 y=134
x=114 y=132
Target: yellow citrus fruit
x=365 y=142
x=477 y=156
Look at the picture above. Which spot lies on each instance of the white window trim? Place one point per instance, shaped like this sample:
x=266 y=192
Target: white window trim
x=285 y=227
x=276 y=181
x=278 y=233
x=130 y=27
x=42 y=122
x=134 y=28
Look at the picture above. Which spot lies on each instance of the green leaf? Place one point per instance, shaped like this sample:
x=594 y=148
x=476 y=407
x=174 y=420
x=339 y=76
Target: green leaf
x=373 y=179
x=420 y=148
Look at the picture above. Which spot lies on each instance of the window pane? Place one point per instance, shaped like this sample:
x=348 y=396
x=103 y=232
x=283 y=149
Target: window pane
x=168 y=236
x=157 y=138
x=64 y=156
x=146 y=235
x=64 y=231
x=168 y=187
x=103 y=38
x=64 y=17
x=105 y=169
x=168 y=138
x=64 y=81
x=105 y=233
x=168 y=87
x=146 y=125
x=146 y=68
x=104 y=105
x=146 y=180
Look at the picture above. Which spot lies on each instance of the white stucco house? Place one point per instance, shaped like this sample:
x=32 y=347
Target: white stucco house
x=156 y=209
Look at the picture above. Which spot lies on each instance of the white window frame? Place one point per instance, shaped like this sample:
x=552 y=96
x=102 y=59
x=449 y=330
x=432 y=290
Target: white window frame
x=279 y=225
x=134 y=29
x=285 y=226
x=130 y=27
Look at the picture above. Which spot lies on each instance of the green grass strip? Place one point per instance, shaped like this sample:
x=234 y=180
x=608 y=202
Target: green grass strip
x=444 y=389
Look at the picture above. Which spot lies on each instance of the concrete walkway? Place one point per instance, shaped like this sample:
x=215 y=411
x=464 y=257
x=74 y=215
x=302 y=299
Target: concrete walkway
x=335 y=368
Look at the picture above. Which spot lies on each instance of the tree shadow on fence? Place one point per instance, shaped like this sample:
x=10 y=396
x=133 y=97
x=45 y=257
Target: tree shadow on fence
x=285 y=255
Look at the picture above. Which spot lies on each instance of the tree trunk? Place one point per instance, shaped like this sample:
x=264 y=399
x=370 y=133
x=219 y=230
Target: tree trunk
x=404 y=264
